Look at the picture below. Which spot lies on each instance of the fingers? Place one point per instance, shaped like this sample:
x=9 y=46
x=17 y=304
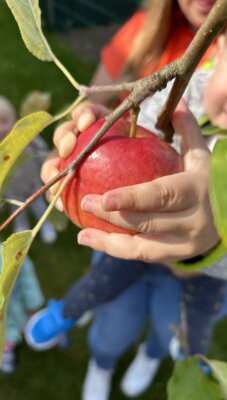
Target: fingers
x=145 y=222
x=158 y=195
x=65 y=138
x=49 y=171
x=87 y=113
x=83 y=116
x=138 y=247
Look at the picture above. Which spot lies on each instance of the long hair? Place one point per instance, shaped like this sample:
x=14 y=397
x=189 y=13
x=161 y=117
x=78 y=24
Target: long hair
x=151 y=41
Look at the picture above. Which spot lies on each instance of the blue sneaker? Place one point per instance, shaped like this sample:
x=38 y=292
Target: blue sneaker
x=45 y=328
x=204 y=367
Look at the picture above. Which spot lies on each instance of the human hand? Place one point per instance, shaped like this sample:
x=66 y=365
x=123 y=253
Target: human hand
x=65 y=137
x=172 y=214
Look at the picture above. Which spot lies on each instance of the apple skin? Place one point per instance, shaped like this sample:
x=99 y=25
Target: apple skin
x=115 y=161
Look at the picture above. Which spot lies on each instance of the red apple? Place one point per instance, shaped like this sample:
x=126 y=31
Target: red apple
x=117 y=160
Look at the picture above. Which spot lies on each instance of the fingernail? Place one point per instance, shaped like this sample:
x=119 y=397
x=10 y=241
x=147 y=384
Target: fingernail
x=67 y=144
x=83 y=239
x=87 y=205
x=85 y=121
x=59 y=205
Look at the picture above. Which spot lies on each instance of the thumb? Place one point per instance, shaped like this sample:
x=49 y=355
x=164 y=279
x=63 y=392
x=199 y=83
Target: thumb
x=192 y=143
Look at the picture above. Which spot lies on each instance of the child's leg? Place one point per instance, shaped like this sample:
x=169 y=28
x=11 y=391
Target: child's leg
x=202 y=299
x=164 y=298
x=117 y=325
x=8 y=358
x=15 y=322
x=108 y=278
x=164 y=313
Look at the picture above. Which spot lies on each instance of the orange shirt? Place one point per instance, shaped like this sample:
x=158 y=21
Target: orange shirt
x=114 y=56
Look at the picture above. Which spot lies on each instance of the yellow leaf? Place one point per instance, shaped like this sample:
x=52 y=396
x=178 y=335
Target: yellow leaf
x=14 y=251
x=28 y=16
x=18 y=139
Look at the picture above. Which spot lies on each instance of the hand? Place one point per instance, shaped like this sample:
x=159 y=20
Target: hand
x=172 y=214
x=65 y=138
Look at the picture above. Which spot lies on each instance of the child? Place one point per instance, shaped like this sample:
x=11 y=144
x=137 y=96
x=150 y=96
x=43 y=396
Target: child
x=26 y=298
x=200 y=295
x=26 y=179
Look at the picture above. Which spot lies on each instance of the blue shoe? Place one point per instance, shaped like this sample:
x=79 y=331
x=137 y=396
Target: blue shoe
x=205 y=367
x=45 y=328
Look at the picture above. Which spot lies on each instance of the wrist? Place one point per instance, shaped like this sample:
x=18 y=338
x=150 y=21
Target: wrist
x=200 y=262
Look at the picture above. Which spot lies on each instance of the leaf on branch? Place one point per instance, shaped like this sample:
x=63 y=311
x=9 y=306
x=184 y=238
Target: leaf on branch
x=28 y=16
x=208 y=129
x=17 y=140
x=188 y=382
x=218 y=193
x=14 y=251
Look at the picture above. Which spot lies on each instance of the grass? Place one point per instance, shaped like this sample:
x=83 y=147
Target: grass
x=58 y=374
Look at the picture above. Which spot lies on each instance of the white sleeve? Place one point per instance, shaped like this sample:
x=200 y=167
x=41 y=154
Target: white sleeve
x=218 y=270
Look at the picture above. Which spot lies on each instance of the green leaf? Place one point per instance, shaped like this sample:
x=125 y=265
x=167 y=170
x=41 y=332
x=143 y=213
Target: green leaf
x=28 y=16
x=14 y=251
x=208 y=130
x=218 y=192
x=21 y=135
x=188 y=382
x=219 y=370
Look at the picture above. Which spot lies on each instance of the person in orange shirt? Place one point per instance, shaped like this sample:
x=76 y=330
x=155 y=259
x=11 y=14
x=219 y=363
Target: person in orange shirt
x=154 y=36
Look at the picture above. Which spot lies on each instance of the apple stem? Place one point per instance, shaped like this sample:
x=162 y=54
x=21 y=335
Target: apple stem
x=134 y=116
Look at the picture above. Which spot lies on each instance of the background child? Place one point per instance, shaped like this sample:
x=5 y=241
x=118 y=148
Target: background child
x=108 y=316
x=26 y=298
x=26 y=177
x=201 y=296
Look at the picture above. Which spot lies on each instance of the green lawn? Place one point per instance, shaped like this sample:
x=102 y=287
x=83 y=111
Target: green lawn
x=58 y=374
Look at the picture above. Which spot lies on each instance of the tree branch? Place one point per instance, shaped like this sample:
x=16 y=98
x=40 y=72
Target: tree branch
x=189 y=61
x=181 y=69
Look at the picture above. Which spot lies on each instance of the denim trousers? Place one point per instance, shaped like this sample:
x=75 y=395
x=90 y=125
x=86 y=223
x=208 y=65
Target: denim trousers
x=157 y=297
x=119 y=323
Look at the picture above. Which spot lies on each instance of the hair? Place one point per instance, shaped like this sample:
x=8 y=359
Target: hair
x=152 y=39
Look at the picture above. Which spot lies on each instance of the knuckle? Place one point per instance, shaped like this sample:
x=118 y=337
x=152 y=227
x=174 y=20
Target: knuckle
x=145 y=224
x=132 y=200
x=60 y=130
x=163 y=196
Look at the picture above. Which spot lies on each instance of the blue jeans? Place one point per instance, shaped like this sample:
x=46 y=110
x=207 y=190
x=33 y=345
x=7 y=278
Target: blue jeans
x=119 y=323
x=157 y=297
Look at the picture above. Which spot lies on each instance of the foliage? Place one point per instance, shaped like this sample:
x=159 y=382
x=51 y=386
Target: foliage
x=190 y=383
x=27 y=15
